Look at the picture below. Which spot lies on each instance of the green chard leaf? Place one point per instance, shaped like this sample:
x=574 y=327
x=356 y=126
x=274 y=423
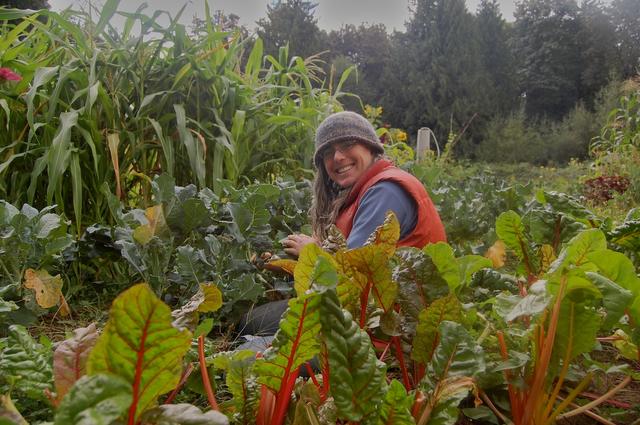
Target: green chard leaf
x=450 y=374
x=295 y=343
x=396 y=406
x=238 y=366
x=306 y=271
x=456 y=271
x=95 y=400
x=510 y=229
x=140 y=345
x=26 y=363
x=578 y=326
x=419 y=282
x=615 y=298
x=352 y=362
x=579 y=249
x=427 y=332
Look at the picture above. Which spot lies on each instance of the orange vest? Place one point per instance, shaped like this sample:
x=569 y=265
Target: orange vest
x=429 y=228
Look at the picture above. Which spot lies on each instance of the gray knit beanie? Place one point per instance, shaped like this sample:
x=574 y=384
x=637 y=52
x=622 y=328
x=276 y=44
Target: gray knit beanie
x=343 y=126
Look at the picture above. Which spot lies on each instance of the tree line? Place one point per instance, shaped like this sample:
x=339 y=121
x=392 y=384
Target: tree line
x=452 y=68
x=536 y=89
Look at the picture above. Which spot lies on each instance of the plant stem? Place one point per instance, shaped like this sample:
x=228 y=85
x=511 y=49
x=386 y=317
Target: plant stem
x=183 y=379
x=403 y=367
x=598 y=401
x=205 y=375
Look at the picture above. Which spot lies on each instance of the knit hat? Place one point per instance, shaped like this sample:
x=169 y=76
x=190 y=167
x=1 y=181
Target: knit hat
x=343 y=126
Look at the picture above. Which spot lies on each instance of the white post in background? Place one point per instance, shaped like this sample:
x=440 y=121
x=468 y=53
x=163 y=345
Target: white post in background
x=424 y=143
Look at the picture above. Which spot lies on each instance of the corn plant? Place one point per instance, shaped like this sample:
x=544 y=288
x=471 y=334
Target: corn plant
x=100 y=105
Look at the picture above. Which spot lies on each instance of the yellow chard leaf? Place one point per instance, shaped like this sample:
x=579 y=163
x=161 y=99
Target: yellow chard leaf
x=143 y=234
x=497 y=254
x=286 y=265
x=370 y=265
x=140 y=345
x=48 y=289
x=303 y=272
x=386 y=236
x=547 y=257
x=212 y=298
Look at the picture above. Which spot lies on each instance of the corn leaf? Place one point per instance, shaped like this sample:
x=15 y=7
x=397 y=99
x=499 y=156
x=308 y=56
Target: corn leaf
x=140 y=345
x=352 y=362
x=95 y=400
x=70 y=359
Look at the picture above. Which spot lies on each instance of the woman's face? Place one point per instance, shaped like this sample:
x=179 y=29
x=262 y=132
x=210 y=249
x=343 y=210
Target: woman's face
x=346 y=161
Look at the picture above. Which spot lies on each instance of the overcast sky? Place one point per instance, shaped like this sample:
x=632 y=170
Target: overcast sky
x=331 y=14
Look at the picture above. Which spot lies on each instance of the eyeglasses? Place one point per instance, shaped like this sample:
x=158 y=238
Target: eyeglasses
x=342 y=147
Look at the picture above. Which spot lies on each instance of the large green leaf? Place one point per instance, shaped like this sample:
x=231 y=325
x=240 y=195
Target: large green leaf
x=238 y=366
x=511 y=231
x=419 y=282
x=357 y=374
x=450 y=374
x=140 y=345
x=615 y=298
x=579 y=250
x=457 y=354
x=295 y=343
x=305 y=272
x=627 y=235
x=95 y=400
x=26 y=363
x=457 y=272
x=578 y=326
x=618 y=268
x=427 y=332
x=396 y=406
x=70 y=358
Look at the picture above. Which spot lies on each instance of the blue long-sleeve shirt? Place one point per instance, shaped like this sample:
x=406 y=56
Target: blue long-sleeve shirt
x=377 y=200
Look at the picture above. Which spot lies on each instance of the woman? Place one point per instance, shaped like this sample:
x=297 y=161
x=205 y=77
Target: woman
x=354 y=188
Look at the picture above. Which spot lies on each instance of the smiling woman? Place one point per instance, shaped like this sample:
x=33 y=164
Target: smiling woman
x=354 y=187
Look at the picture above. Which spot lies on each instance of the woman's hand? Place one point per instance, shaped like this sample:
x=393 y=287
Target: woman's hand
x=294 y=243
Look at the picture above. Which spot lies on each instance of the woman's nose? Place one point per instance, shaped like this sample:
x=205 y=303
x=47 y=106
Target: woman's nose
x=338 y=155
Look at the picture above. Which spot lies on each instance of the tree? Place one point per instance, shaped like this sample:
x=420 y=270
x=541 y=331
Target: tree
x=292 y=22
x=626 y=18
x=598 y=50
x=548 y=49
x=366 y=47
x=436 y=78
x=25 y=4
x=496 y=56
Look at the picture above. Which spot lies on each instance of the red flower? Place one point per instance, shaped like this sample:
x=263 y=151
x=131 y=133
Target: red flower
x=8 y=75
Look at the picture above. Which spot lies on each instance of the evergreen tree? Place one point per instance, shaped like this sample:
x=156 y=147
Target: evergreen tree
x=626 y=17
x=497 y=58
x=366 y=47
x=548 y=51
x=436 y=78
x=598 y=50
x=292 y=22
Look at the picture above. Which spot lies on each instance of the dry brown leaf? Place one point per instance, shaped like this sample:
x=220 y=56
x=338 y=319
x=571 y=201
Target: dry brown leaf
x=497 y=254
x=48 y=289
